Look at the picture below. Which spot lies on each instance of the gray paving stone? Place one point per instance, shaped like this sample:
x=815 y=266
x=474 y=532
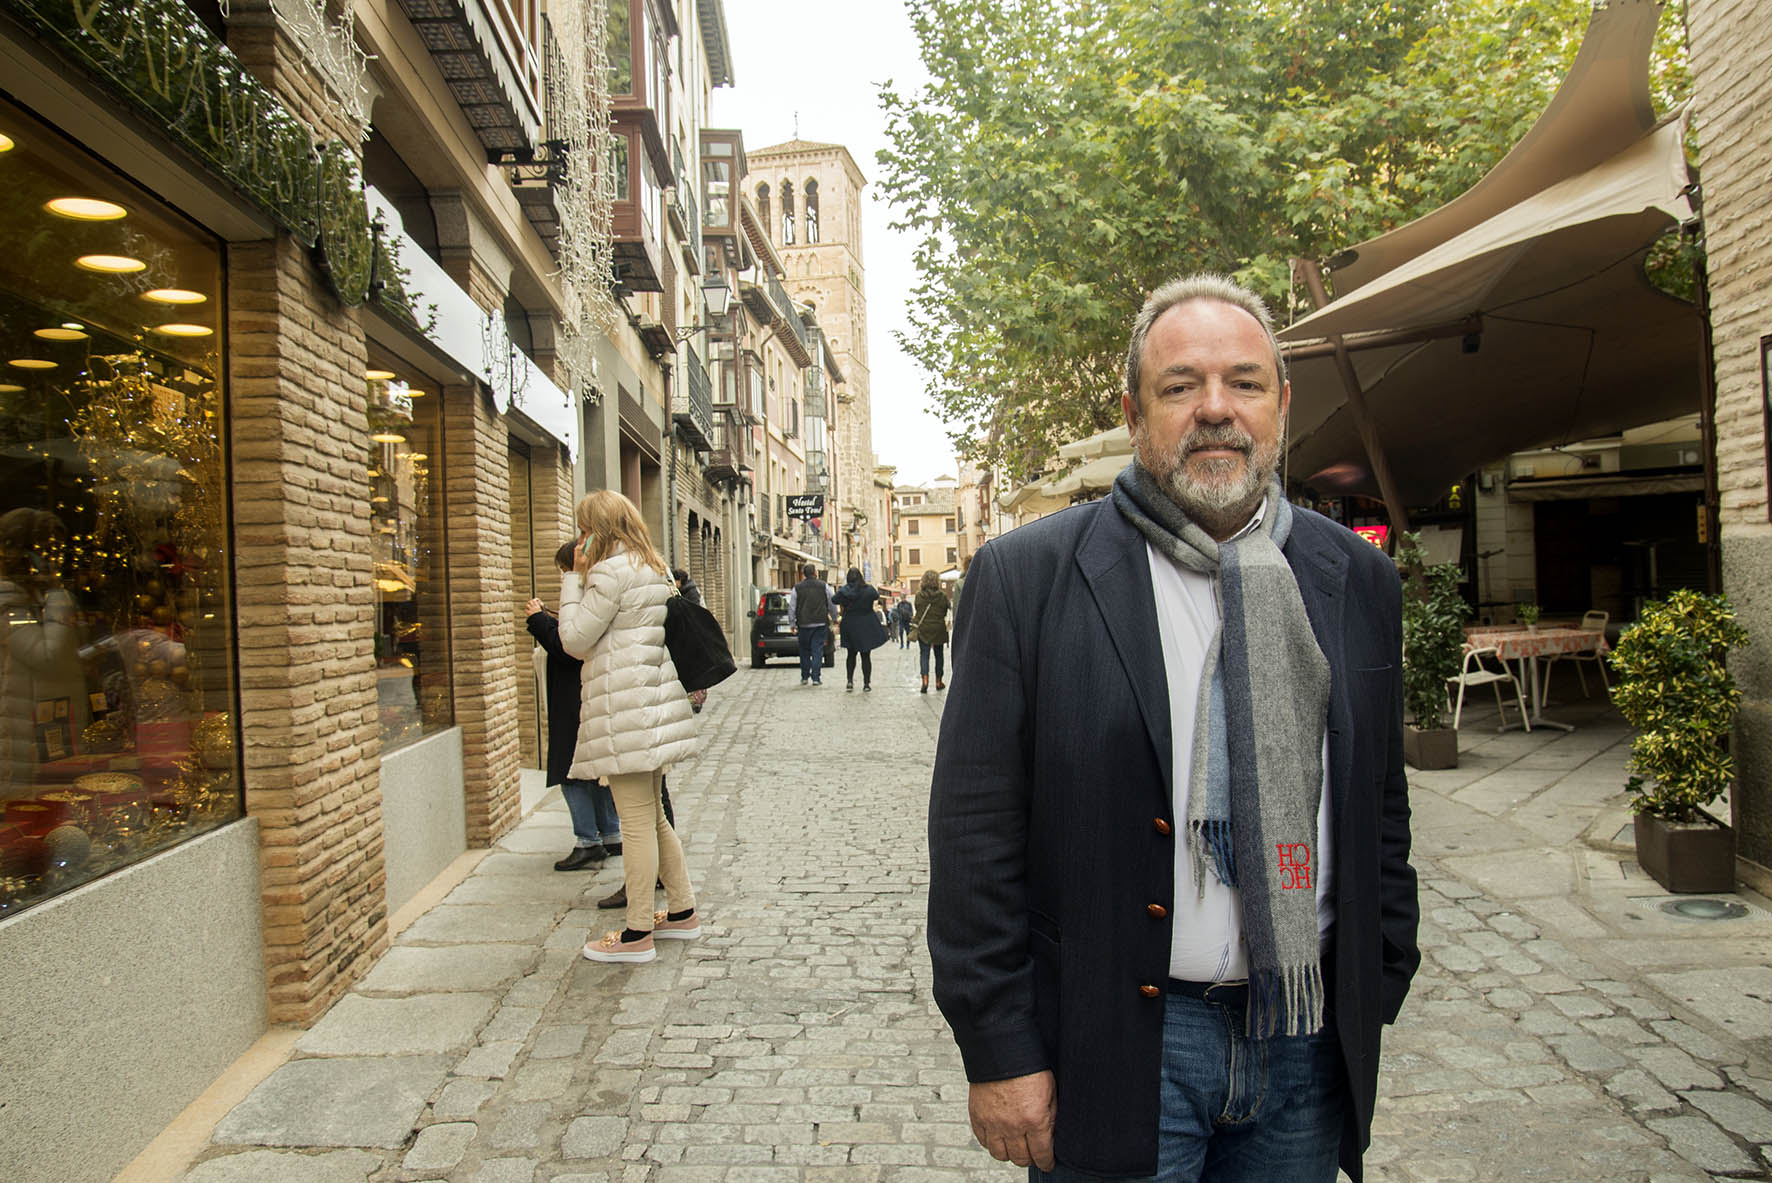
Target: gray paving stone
x=440 y=1147
x=594 y=1137
x=1702 y=1144
x=561 y=1041
x=490 y=1060
x=1742 y=1116
x=359 y=1026
x=461 y=1099
x=506 y=1170
x=407 y=969
x=519 y=1126
x=1675 y=1069
x=470 y=924
x=259 y=1166
x=364 y=1101
x=1584 y=1053
x=1640 y=1091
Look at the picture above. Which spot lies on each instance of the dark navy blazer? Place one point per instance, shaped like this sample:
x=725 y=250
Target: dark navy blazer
x=1051 y=829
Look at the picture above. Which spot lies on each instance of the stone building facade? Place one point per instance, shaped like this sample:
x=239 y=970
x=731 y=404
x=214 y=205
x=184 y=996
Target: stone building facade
x=1729 y=42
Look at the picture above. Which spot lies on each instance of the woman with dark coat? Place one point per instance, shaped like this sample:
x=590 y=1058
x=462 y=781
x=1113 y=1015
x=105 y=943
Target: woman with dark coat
x=931 y=627
x=595 y=823
x=861 y=629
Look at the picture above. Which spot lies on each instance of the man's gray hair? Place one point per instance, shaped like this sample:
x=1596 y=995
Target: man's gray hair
x=1204 y=286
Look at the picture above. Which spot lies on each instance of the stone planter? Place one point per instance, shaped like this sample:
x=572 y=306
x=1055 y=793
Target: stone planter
x=1429 y=750
x=1687 y=858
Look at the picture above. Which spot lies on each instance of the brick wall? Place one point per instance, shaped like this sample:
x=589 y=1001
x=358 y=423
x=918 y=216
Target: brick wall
x=526 y=560
x=1731 y=41
x=306 y=620
x=484 y=655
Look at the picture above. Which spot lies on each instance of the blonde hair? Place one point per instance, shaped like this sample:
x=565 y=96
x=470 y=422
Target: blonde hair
x=931 y=581
x=613 y=521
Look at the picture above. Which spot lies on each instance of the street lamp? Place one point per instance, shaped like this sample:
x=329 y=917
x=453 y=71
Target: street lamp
x=717 y=297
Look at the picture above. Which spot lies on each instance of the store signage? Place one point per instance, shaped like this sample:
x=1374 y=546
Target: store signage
x=156 y=55
x=1373 y=534
x=806 y=506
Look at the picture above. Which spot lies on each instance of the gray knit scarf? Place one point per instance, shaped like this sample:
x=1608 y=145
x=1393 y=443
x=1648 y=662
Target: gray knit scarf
x=1257 y=749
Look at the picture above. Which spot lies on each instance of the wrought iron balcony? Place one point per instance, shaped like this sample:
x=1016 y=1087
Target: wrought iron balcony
x=692 y=402
x=489 y=53
x=769 y=302
x=731 y=450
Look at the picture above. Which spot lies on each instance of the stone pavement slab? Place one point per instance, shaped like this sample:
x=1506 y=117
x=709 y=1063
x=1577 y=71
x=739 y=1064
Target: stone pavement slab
x=361 y=1101
x=283 y=1166
x=362 y=1026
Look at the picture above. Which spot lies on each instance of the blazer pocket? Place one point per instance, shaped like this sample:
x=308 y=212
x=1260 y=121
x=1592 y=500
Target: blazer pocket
x=1373 y=669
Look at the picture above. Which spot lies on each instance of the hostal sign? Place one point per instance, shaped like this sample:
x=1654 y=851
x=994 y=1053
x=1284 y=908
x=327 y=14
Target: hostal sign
x=806 y=506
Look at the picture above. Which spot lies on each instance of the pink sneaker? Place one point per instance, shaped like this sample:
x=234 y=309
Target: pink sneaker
x=610 y=947
x=666 y=929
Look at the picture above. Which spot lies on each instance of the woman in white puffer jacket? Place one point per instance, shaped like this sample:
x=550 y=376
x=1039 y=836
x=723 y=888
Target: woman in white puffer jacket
x=634 y=717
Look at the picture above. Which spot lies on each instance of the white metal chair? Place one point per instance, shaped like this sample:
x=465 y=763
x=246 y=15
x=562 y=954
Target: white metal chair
x=1590 y=621
x=1475 y=673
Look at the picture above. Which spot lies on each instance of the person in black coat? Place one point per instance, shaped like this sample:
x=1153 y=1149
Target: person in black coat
x=1106 y=937
x=594 y=821
x=861 y=629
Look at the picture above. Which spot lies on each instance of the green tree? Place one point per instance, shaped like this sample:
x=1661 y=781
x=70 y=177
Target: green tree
x=1068 y=156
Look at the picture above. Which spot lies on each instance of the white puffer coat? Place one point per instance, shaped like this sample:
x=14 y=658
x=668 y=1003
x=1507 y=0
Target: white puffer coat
x=633 y=713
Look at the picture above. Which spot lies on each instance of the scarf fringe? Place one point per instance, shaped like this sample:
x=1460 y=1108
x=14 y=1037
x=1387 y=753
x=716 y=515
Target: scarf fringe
x=1286 y=1001
x=1210 y=839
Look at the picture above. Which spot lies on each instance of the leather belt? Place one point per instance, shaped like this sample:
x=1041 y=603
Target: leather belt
x=1232 y=994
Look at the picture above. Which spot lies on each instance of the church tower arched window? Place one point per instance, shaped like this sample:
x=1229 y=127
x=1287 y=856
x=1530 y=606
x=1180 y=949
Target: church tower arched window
x=811 y=200
x=787 y=213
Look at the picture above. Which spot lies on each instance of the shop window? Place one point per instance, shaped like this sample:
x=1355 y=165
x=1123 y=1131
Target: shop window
x=117 y=672
x=406 y=537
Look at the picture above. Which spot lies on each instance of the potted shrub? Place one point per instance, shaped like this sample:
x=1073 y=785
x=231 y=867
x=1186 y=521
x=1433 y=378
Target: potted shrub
x=1433 y=646
x=1528 y=614
x=1673 y=687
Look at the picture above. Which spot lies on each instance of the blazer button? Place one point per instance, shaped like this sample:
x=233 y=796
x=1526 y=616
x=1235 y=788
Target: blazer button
x=1162 y=826
x=1149 y=991
x=1157 y=911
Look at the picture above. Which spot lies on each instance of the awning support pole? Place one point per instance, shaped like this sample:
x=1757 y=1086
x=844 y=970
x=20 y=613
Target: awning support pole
x=1312 y=274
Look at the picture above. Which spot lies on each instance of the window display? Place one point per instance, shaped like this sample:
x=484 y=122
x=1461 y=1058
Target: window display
x=116 y=672
x=406 y=537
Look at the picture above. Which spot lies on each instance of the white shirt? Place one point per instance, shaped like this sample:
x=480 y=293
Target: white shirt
x=1206 y=944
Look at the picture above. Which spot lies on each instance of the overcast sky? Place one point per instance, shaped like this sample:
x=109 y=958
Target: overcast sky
x=825 y=62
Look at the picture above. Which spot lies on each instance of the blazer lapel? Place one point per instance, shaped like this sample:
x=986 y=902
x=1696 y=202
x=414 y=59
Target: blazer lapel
x=1321 y=571
x=1116 y=566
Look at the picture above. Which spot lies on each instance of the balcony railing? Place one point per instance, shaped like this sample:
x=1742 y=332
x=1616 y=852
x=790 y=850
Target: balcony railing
x=692 y=403
x=778 y=296
x=490 y=55
x=769 y=302
x=731 y=450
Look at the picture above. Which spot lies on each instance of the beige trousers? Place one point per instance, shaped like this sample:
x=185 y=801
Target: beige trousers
x=649 y=848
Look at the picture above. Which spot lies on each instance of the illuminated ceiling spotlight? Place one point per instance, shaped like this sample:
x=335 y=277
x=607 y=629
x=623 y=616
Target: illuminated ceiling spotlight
x=85 y=209
x=10 y=387
x=110 y=264
x=380 y=437
x=31 y=363
x=379 y=375
x=64 y=333
x=174 y=296
x=6 y=144
x=183 y=330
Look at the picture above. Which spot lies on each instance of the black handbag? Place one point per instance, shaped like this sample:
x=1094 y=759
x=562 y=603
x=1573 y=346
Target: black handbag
x=697 y=644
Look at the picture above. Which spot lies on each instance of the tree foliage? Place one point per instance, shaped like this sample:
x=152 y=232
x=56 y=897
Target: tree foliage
x=1068 y=156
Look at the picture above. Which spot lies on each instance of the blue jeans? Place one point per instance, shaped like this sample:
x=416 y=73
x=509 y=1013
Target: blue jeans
x=923 y=648
x=593 y=812
x=812 y=639
x=1240 y=1110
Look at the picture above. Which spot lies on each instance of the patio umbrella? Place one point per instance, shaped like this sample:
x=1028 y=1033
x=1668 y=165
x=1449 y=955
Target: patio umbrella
x=1499 y=326
x=1115 y=441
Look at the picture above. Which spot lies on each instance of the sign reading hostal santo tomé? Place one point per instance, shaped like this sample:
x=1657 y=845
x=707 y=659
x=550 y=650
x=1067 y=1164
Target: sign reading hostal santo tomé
x=806 y=506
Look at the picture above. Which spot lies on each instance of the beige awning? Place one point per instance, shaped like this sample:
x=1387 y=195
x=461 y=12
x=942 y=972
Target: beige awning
x=1095 y=477
x=1115 y=441
x=1574 y=341
x=1617 y=485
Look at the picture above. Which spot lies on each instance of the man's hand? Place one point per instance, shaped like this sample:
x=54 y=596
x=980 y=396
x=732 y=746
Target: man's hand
x=1013 y=1118
x=532 y=607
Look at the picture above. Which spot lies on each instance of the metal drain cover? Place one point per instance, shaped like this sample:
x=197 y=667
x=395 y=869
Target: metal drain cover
x=1701 y=909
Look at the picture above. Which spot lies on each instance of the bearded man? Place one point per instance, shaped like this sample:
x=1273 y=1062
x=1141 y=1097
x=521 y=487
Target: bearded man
x=1171 y=902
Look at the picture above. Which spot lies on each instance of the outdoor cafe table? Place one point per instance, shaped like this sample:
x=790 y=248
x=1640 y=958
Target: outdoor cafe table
x=1526 y=646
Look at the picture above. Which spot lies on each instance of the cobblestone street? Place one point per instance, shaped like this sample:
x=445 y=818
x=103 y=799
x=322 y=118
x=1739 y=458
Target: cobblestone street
x=1563 y=1027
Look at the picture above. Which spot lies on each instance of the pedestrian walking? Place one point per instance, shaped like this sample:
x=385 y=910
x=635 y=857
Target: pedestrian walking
x=901 y=615
x=595 y=825
x=809 y=607
x=860 y=629
x=931 y=627
x=686 y=586
x=1171 y=903
x=634 y=720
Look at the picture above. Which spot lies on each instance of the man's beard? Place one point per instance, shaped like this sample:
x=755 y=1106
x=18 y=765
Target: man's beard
x=1225 y=492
